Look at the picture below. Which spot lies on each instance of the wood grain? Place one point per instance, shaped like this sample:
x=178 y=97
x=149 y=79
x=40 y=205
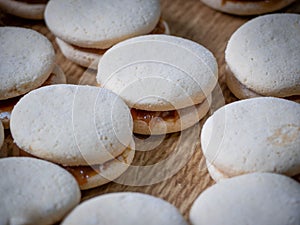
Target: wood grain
x=193 y=20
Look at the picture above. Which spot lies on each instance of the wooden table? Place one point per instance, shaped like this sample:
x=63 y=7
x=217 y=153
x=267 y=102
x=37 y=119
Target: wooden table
x=193 y=20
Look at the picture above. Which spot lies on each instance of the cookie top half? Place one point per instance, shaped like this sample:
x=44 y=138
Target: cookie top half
x=254 y=135
x=34 y=191
x=27 y=59
x=105 y=22
x=159 y=72
x=264 y=55
x=72 y=125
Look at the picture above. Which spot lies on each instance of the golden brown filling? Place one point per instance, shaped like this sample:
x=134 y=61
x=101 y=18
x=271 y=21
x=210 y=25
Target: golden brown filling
x=159 y=29
x=83 y=173
x=33 y=1
x=147 y=116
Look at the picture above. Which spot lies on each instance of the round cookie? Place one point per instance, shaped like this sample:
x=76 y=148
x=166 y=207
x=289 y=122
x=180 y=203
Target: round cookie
x=27 y=59
x=166 y=92
x=259 y=198
x=87 y=130
x=263 y=57
x=247 y=7
x=125 y=209
x=106 y=22
x=35 y=192
x=253 y=136
x=164 y=81
x=1 y=134
x=68 y=130
x=25 y=9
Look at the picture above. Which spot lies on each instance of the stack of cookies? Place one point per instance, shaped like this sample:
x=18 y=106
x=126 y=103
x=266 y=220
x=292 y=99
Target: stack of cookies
x=89 y=29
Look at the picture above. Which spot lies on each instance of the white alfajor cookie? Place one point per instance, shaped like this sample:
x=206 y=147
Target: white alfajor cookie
x=106 y=23
x=81 y=127
x=247 y=7
x=125 y=209
x=26 y=61
x=33 y=191
x=263 y=57
x=160 y=73
x=254 y=135
x=258 y=198
x=1 y=134
x=28 y=9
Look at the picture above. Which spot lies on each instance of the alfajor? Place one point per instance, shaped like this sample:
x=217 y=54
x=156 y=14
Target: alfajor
x=33 y=191
x=91 y=27
x=28 y=9
x=263 y=57
x=125 y=209
x=88 y=130
x=257 y=198
x=247 y=7
x=167 y=81
x=253 y=135
x=27 y=61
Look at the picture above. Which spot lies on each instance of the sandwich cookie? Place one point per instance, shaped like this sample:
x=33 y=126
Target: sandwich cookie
x=1 y=134
x=35 y=192
x=263 y=57
x=253 y=136
x=88 y=130
x=125 y=209
x=247 y=7
x=28 y=9
x=106 y=23
x=27 y=61
x=167 y=81
x=258 y=198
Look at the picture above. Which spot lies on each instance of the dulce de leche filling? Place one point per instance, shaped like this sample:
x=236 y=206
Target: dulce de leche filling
x=83 y=173
x=148 y=116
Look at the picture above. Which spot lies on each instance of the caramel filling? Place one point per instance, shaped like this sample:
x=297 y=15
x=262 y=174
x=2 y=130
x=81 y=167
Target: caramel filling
x=33 y=1
x=159 y=29
x=83 y=173
x=148 y=116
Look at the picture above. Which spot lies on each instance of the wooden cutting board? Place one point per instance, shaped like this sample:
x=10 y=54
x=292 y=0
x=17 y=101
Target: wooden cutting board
x=175 y=168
